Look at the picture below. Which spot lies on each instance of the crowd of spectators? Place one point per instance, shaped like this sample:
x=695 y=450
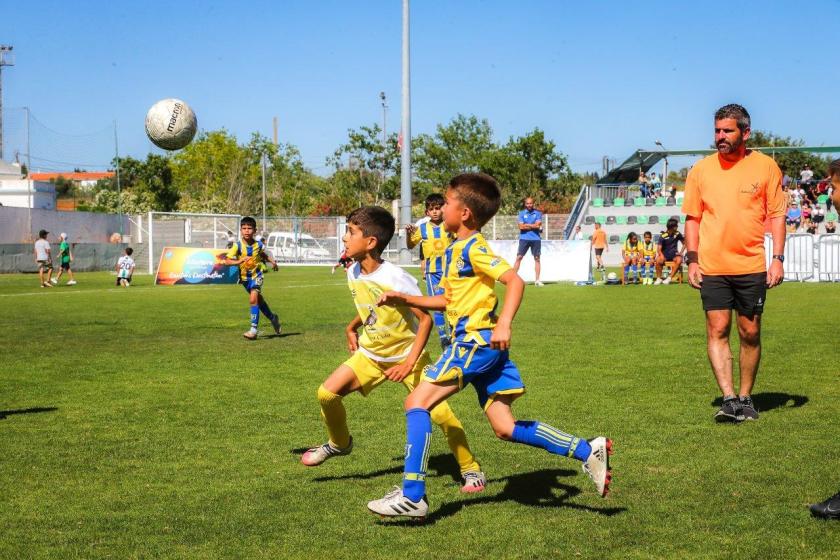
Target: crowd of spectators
x=810 y=207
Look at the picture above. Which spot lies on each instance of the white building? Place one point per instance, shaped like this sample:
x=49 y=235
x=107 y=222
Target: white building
x=22 y=193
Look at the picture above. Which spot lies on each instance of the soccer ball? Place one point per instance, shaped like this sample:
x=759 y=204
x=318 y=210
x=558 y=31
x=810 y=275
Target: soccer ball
x=171 y=124
x=612 y=276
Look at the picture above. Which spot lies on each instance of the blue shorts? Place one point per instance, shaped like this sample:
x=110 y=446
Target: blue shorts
x=490 y=371
x=534 y=244
x=252 y=284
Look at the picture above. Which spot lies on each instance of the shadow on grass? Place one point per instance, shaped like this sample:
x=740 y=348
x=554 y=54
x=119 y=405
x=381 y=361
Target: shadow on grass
x=770 y=401
x=540 y=488
x=281 y=335
x=439 y=465
x=4 y=413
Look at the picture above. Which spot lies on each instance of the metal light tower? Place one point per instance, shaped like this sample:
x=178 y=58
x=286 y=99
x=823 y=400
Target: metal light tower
x=405 y=175
x=384 y=119
x=6 y=59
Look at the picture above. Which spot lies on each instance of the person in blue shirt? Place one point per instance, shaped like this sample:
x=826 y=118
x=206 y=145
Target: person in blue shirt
x=530 y=226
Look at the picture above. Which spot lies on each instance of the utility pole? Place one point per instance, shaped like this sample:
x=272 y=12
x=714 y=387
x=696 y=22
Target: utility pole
x=6 y=59
x=117 y=175
x=384 y=119
x=405 y=175
x=275 y=131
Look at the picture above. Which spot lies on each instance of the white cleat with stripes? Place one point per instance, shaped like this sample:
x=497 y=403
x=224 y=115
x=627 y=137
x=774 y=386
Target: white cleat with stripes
x=394 y=504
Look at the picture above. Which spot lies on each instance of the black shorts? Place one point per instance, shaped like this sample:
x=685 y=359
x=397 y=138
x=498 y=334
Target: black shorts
x=65 y=266
x=745 y=293
x=599 y=252
x=669 y=257
x=534 y=244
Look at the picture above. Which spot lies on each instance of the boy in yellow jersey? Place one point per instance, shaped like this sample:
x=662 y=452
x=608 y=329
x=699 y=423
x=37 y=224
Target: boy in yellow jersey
x=391 y=346
x=630 y=252
x=433 y=239
x=647 y=258
x=249 y=254
x=479 y=351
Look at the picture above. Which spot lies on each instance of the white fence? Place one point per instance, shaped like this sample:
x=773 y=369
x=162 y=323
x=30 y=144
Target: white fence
x=809 y=258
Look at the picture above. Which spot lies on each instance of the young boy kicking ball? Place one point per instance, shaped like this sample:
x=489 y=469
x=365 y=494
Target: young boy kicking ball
x=479 y=351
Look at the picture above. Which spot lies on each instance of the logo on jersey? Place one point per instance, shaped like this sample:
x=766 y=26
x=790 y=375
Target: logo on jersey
x=495 y=261
x=371 y=318
x=461 y=352
x=460 y=263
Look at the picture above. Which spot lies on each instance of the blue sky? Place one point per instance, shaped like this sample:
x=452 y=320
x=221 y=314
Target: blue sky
x=601 y=78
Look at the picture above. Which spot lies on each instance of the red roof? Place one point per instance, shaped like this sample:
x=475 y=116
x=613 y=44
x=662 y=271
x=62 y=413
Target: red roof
x=73 y=176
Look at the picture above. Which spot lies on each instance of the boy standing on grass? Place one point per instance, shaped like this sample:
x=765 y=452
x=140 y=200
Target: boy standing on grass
x=43 y=258
x=249 y=254
x=125 y=268
x=830 y=508
x=433 y=239
x=391 y=346
x=479 y=351
x=65 y=257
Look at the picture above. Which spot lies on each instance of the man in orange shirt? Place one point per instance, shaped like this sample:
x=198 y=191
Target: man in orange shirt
x=728 y=197
x=599 y=243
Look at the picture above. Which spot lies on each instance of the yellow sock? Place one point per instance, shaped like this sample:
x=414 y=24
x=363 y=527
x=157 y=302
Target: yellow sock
x=335 y=417
x=443 y=416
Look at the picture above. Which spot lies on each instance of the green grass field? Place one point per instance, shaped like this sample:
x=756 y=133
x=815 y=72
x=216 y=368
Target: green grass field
x=139 y=423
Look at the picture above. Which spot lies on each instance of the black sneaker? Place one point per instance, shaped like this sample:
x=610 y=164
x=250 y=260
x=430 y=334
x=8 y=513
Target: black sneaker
x=730 y=411
x=829 y=509
x=748 y=409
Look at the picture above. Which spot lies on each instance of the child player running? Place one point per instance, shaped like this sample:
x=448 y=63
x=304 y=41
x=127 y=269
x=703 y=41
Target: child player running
x=249 y=254
x=433 y=239
x=391 y=346
x=479 y=351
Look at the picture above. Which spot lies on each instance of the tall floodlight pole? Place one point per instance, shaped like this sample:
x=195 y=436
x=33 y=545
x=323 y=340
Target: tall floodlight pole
x=263 y=158
x=6 y=59
x=384 y=119
x=28 y=170
x=117 y=177
x=405 y=175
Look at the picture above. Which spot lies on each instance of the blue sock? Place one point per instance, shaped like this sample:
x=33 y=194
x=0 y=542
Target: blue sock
x=650 y=271
x=418 y=428
x=537 y=434
x=627 y=271
x=633 y=270
x=255 y=316
x=266 y=310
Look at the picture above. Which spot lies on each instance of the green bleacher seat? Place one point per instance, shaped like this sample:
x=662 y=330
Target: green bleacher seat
x=641 y=219
x=601 y=219
x=663 y=220
x=831 y=216
x=639 y=201
x=661 y=201
x=598 y=202
x=621 y=220
x=618 y=201
x=682 y=218
x=622 y=238
x=822 y=199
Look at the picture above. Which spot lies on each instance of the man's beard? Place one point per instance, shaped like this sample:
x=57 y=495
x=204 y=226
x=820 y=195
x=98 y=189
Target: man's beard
x=725 y=147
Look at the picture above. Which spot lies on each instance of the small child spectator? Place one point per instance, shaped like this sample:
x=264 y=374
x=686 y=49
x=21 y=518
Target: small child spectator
x=125 y=268
x=793 y=218
x=811 y=227
x=830 y=227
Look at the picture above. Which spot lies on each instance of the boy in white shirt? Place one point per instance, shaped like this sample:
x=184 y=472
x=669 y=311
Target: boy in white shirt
x=43 y=258
x=125 y=268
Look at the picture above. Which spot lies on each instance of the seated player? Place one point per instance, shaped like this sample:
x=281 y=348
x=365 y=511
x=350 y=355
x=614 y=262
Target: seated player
x=668 y=250
x=125 y=268
x=647 y=258
x=249 y=254
x=390 y=348
x=631 y=252
x=433 y=240
x=478 y=354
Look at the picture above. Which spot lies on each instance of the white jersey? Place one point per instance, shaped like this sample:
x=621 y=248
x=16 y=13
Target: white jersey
x=125 y=265
x=41 y=248
x=387 y=331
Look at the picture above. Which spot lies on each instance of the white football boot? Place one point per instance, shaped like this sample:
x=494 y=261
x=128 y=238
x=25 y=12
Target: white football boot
x=317 y=455
x=597 y=466
x=394 y=504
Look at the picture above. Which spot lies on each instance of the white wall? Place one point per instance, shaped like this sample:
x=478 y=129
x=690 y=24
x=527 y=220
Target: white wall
x=16 y=193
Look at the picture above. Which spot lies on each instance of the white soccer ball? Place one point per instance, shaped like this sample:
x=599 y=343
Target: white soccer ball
x=612 y=276
x=171 y=124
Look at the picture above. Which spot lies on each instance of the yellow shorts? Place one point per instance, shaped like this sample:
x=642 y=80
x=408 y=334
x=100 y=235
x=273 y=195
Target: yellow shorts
x=371 y=373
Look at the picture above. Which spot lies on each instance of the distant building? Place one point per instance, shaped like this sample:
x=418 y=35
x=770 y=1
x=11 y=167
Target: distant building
x=16 y=191
x=83 y=178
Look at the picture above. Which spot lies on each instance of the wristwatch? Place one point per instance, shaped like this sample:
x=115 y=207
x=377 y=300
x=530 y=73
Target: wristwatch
x=780 y=258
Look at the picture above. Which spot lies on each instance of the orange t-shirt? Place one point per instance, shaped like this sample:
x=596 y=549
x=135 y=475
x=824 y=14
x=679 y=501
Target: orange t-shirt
x=732 y=202
x=599 y=239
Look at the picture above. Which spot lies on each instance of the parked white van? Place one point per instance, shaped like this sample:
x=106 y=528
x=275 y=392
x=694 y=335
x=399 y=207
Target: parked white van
x=286 y=245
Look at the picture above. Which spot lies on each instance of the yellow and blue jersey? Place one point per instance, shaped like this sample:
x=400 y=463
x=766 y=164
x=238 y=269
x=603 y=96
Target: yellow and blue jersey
x=632 y=248
x=469 y=281
x=387 y=331
x=648 y=249
x=251 y=269
x=433 y=240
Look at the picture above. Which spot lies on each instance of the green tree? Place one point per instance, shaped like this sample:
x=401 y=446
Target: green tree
x=376 y=165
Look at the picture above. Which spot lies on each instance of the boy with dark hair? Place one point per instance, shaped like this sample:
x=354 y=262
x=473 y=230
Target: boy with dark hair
x=43 y=258
x=647 y=258
x=433 y=240
x=667 y=250
x=391 y=346
x=479 y=351
x=125 y=268
x=249 y=254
